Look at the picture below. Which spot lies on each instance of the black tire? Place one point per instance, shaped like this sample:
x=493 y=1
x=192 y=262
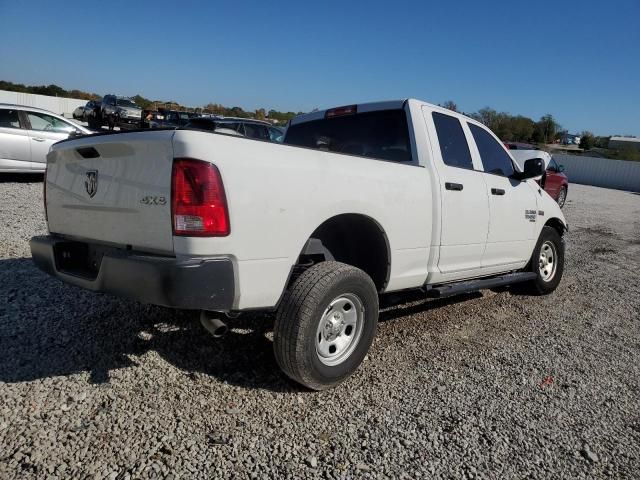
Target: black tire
x=305 y=305
x=562 y=196
x=540 y=285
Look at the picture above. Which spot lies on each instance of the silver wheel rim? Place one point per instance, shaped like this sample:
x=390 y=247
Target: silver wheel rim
x=548 y=261
x=561 y=196
x=340 y=329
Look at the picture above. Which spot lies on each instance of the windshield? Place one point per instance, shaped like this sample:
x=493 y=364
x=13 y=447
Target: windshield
x=382 y=134
x=125 y=102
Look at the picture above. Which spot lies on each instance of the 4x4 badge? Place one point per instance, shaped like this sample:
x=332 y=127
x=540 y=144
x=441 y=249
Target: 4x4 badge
x=91 y=182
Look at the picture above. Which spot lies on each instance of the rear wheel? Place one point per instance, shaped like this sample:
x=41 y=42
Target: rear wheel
x=562 y=196
x=547 y=262
x=325 y=324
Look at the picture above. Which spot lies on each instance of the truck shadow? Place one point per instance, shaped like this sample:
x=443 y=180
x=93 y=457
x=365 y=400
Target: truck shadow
x=50 y=329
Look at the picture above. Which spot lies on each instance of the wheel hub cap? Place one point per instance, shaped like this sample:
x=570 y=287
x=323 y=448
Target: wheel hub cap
x=547 y=261
x=339 y=329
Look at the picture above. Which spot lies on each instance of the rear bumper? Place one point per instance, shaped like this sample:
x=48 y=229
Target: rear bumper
x=192 y=283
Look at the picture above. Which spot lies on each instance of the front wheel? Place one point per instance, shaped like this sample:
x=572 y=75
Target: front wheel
x=562 y=196
x=325 y=324
x=547 y=262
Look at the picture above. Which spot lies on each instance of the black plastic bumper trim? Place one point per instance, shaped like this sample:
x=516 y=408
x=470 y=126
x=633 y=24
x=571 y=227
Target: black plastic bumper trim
x=192 y=283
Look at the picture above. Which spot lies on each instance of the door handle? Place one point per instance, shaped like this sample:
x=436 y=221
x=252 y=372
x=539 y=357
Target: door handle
x=497 y=191
x=453 y=186
x=38 y=139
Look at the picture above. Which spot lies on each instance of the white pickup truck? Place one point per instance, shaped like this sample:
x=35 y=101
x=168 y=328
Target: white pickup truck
x=359 y=201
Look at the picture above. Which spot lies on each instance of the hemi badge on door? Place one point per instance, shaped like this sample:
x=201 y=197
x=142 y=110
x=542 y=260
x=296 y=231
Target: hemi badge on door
x=91 y=182
x=530 y=215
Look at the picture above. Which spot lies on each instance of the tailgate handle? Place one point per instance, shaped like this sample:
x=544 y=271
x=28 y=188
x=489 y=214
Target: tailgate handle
x=88 y=152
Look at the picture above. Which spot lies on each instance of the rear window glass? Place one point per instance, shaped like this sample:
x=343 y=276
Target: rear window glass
x=453 y=144
x=382 y=134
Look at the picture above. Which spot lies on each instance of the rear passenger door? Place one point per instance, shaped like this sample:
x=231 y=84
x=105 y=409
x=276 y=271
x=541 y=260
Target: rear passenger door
x=15 y=151
x=464 y=202
x=512 y=206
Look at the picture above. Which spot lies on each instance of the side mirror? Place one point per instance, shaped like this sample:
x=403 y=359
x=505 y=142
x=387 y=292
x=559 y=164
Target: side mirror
x=560 y=168
x=75 y=133
x=534 y=167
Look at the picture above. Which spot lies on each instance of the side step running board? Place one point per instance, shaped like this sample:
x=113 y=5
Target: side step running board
x=458 y=288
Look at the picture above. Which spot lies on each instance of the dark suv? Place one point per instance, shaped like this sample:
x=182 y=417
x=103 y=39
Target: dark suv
x=115 y=111
x=246 y=127
x=169 y=119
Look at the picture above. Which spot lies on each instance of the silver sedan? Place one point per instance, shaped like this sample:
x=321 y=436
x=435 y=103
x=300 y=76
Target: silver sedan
x=26 y=135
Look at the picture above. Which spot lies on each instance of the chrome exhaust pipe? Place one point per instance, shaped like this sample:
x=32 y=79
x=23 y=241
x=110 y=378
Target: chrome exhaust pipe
x=216 y=327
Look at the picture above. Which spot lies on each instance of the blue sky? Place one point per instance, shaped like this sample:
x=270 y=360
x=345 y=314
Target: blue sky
x=578 y=60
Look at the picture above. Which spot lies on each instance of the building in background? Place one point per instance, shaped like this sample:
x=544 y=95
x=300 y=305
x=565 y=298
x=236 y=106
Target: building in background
x=624 y=143
x=60 y=105
x=569 y=139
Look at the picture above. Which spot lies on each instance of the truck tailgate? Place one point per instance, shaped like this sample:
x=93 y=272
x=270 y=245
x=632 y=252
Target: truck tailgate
x=113 y=189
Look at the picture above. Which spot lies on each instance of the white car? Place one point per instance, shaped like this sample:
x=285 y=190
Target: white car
x=26 y=135
x=359 y=201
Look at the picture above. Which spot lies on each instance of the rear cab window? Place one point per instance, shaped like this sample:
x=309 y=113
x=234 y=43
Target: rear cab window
x=494 y=157
x=453 y=143
x=379 y=134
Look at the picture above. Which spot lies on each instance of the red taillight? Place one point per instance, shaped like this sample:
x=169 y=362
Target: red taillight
x=198 y=202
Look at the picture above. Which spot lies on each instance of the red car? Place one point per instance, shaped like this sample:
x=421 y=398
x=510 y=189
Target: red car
x=555 y=182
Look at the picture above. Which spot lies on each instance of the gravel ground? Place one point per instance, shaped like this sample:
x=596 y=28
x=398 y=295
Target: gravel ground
x=493 y=385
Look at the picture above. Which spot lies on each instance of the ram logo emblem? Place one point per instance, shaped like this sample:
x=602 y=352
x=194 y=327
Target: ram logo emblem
x=91 y=182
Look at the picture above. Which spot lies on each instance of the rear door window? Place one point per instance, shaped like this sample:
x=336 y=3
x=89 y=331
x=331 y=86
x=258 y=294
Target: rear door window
x=453 y=143
x=381 y=134
x=494 y=158
x=9 y=118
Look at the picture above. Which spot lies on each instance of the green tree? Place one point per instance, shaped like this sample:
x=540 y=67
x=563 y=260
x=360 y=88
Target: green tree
x=141 y=101
x=546 y=129
x=450 y=105
x=587 y=140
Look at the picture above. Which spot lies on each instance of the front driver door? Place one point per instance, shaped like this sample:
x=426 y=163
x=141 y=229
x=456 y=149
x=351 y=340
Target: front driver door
x=512 y=206
x=44 y=131
x=464 y=203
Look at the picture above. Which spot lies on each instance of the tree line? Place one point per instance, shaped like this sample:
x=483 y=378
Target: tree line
x=515 y=128
x=145 y=103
